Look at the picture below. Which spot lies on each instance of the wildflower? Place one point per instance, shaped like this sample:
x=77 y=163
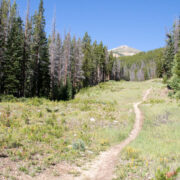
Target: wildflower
x=92 y=120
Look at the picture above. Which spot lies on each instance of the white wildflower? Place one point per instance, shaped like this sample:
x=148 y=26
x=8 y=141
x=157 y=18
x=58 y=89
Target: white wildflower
x=92 y=120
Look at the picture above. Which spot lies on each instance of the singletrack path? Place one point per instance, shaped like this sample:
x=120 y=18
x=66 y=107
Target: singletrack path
x=102 y=168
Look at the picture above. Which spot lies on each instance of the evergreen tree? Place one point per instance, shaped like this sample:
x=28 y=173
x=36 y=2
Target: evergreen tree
x=87 y=61
x=110 y=63
x=73 y=57
x=31 y=65
x=106 y=61
x=66 y=57
x=79 y=75
x=102 y=61
x=52 y=53
x=40 y=56
x=176 y=67
x=26 y=64
x=13 y=59
x=58 y=59
x=4 y=17
x=1 y=49
x=168 y=56
x=69 y=89
x=95 y=59
x=174 y=82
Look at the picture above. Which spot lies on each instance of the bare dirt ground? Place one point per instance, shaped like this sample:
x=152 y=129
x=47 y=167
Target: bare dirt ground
x=103 y=167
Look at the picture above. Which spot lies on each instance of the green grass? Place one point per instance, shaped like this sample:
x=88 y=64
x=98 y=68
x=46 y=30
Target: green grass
x=158 y=144
x=36 y=133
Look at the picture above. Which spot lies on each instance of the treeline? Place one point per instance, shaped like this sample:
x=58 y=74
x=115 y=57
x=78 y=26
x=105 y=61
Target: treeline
x=160 y=63
x=142 y=66
x=55 y=67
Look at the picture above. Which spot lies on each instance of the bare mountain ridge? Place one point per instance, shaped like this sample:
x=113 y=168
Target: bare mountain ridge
x=124 y=51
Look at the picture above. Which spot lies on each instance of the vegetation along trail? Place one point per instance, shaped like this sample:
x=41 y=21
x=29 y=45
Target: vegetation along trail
x=103 y=166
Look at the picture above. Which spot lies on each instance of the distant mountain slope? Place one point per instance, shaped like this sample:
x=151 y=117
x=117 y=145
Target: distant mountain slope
x=139 y=67
x=124 y=51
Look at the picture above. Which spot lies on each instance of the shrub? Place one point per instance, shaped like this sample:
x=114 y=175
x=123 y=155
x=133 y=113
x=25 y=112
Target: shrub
x=165 y=79
x=177 y=95
x=174 y=83
x=165 y=174
x=79 y=145
x=23 y=169
x=8 y=98
x=161 y=174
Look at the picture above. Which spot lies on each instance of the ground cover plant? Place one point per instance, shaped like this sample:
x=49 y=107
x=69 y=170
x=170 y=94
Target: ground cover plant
x=37 y=133
x=155 y=153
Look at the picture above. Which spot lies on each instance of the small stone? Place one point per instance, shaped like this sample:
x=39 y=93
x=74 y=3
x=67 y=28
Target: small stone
x=89 y=152
x=92 y=120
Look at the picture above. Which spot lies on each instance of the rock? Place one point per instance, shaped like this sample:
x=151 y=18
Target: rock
x=89 y=152
x=92 y=120
x=115 y=122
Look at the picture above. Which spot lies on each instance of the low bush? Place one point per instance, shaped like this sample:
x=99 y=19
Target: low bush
x=79 y=145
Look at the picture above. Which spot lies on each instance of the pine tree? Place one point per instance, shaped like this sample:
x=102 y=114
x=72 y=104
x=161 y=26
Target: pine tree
x=30 y=65
x=87 y=61
x=176 y=68
x=69 y=89
x=174 y=82
x=4 y=17
x=66 y=57
x=13 y=59
x=110 y=63
x=52 y=54
x=40 y=56
x=58 y=59
x=26 y=64
x=106 y=61
x=102 y=61
x=79 y=75
x=176 y=33
x=95 y=59
x=73 y=57
x=168 y=56
x=1 y=49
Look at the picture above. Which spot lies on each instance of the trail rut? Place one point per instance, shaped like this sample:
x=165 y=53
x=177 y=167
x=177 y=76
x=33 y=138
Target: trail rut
x=103 y=167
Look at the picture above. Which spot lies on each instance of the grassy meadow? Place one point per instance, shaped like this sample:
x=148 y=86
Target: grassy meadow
x=37 y=133
x=156 y=151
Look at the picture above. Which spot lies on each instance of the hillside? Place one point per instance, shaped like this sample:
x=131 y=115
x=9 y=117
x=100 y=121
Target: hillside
x=139 y=67
x=124 y=51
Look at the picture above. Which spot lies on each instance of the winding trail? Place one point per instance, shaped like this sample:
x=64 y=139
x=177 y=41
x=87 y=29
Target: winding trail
x=103 y=167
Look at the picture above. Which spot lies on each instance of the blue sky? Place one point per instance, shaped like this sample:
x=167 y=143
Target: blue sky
x=141 y=24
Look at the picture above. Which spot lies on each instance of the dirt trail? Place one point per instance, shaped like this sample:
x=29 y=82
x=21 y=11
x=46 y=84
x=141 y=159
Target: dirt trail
x=103 y=167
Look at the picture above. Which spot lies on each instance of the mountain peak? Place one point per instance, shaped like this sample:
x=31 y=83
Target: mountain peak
x=124 y=50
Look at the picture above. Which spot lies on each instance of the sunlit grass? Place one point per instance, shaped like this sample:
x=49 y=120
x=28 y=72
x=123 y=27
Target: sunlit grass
x=158 y=143
x=37 y=133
